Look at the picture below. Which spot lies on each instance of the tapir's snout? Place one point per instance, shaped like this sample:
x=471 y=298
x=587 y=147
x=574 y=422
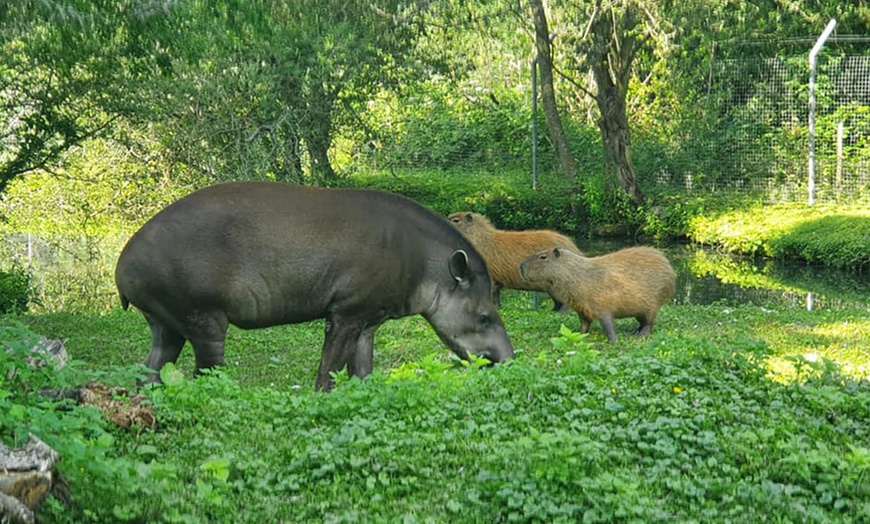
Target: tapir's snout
x=500 y=353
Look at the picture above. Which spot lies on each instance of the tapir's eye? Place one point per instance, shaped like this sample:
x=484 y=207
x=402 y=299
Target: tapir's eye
x=484 y=320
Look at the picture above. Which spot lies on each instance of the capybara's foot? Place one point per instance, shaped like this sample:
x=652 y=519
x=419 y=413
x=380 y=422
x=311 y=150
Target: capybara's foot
x=558 y=307
x=644 y=331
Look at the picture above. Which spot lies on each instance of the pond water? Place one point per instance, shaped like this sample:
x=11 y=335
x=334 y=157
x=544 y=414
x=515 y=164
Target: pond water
x=79 y=275
x=706 y=276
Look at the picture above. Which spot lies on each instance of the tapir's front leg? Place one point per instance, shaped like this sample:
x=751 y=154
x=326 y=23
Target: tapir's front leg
x=362 y=363
x=338 y=347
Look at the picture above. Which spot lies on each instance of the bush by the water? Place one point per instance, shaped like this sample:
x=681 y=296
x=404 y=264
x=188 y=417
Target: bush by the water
x=835 y=236
x=15 y=290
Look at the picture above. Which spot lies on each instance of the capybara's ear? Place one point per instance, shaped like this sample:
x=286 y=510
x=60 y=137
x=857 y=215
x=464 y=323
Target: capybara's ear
x=468 y=217
x=556 y=252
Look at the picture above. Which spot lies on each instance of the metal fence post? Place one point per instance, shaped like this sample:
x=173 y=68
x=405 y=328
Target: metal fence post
x=811 y=181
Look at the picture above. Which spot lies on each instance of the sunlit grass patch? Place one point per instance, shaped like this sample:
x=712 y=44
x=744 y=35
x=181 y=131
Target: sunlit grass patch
x=836 y=236
x=843 y=338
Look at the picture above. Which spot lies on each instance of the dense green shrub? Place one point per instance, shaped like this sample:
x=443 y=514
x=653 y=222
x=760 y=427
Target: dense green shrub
x=531 y=209
x=439 y=131
x=507 y=198
x=15 y=290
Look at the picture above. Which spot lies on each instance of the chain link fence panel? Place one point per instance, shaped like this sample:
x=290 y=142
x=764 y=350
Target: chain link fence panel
x=766 y=111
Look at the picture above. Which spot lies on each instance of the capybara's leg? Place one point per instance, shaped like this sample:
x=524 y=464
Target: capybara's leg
x=609 y=327
x=585 y=323
x=496 y=295
x=560 y=307
x=166 y=345
x=646 y=325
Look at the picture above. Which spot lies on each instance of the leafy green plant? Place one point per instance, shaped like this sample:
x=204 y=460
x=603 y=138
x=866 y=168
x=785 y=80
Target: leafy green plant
x=15 y=290
x=679 y=425
x=102 y=479
x=570 y=342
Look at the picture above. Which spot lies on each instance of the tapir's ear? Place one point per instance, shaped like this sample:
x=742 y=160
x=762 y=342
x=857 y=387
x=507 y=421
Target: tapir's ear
x=459 y=266
x=556 y=252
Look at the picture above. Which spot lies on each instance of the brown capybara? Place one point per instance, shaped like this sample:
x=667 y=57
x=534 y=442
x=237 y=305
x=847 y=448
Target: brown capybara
x=504 y=251
x=633 y=282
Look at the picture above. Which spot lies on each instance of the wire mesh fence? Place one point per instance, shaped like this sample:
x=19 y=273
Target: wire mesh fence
x=766 y=114
x=754 y=138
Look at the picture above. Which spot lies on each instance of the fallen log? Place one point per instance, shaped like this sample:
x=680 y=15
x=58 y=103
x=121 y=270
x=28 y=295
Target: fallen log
x=12 y=511
x=26 y=478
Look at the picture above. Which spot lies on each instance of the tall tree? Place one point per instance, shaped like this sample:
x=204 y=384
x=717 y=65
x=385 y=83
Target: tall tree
x=273 y=75
x=613 y=45
x=544 y=63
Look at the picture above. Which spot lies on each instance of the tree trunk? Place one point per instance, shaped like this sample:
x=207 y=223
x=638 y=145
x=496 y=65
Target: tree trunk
x=318 y=134
x=616 y=137
x=548 y=92
x=613 y=50
x=318 y=152
x=288 y=166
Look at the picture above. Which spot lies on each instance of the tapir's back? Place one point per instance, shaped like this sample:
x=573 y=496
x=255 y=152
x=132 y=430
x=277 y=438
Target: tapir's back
x=269 y=253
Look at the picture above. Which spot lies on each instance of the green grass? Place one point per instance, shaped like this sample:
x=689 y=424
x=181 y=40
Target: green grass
x=726 y=413
x=290 y=354
x=834 y=236
x=723 y=414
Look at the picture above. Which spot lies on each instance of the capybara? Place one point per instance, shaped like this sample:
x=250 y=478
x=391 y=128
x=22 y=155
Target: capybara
x=633 y=282
x=504 y=251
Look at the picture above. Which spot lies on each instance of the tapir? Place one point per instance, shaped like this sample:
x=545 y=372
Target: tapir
x=259 y=254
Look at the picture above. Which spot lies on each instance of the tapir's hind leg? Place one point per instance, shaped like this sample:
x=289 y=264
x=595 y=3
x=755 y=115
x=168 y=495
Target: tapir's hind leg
x=166 y=345
x=208 y=334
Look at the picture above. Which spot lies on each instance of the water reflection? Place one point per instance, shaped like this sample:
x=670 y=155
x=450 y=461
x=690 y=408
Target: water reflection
x=705 y=276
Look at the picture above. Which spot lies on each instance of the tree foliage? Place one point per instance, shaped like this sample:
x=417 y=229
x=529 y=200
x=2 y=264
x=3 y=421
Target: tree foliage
x=261 y=84
x=293 y=90
x=68 y=69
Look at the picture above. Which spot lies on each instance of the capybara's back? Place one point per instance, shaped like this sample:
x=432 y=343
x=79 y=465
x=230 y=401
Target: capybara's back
x=504 y=251
x=633 y=282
